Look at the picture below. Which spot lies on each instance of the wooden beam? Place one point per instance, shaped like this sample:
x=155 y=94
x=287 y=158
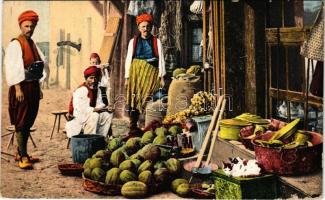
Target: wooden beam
x=296 y=97
x=119 y=6
x=288 y=36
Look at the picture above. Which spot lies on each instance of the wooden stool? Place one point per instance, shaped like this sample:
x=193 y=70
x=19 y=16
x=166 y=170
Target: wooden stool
x=57 y=114
x=69 y=139
x=12 y=132
x=7 y=154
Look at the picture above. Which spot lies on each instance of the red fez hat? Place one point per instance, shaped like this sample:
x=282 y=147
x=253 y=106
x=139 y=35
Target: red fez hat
x=95 y=55
x=92 y=70
x=144 y=17
x=28 y=15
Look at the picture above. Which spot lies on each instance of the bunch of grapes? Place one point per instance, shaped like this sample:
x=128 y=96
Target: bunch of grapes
x=201 y=103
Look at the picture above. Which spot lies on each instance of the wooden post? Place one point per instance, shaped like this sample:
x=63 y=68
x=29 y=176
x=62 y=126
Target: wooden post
x=222 y=48
x=287 y=83
x=118 y=86
x=60 y=57
x=204 y=42
x=215 y=30
x=68 y=64
x=299 y=13
x=105 y=14
x=218 y=47
x=250 y=69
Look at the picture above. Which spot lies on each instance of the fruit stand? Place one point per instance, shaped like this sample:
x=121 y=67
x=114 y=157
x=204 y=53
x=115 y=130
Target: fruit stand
x=163 y=157
x=137 y=167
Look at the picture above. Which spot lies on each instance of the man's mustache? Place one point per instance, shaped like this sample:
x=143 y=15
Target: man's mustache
x=93 y=84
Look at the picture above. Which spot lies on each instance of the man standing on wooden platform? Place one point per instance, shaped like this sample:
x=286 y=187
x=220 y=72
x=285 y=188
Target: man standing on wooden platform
x=144 y=68
x=24 y=64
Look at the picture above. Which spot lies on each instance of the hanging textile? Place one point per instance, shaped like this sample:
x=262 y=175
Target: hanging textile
x=137 y=7
x=196 y=7
x=317 y=82
x=313 y=47
x=170 y=31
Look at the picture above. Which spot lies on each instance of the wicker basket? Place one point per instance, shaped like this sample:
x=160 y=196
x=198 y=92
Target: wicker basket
x=100 y=188
x=74 y=169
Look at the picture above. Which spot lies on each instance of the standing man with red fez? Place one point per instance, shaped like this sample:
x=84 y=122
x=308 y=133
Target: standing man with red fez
x=144 y=68
x=87 y=107
x=24 y=64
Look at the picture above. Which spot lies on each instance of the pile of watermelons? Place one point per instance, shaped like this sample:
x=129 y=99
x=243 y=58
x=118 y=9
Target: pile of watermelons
x=141 y=167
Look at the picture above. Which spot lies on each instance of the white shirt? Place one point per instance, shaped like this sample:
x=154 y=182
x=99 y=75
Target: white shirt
x=161 y=61
x=14 y=63
x=82 y=110
x=81 y=103
x=105 y=80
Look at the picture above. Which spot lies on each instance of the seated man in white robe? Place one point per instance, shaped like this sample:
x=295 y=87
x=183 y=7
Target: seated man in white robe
x=90 y=114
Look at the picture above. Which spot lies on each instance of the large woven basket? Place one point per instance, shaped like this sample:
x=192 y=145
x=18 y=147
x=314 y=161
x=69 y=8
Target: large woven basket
x=100 y=188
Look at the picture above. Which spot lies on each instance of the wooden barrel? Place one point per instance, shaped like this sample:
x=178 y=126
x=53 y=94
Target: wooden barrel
x=84 y=146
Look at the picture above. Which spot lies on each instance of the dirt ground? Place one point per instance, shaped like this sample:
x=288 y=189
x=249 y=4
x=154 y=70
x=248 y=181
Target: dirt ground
x=45 y=180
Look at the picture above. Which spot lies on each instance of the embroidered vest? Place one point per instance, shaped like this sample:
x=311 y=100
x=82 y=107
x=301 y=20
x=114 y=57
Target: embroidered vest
x=154 y=43
x=29 y=50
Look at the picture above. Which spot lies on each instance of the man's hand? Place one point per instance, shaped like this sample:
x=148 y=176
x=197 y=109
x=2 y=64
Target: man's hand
x=19 y=93
x=162 y=82
x=100 y=109
x=97 y=109
x=40 y=94
x=126 y=83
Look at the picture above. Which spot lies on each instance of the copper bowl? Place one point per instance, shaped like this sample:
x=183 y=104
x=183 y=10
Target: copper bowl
x=297 y=161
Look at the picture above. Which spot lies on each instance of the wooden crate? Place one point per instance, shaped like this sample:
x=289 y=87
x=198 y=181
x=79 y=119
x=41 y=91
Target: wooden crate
x=263 y=187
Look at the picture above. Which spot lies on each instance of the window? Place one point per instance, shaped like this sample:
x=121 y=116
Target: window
x=196 y=45
x=311 y=9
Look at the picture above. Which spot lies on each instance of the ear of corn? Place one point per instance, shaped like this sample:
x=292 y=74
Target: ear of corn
x=286 y=131
x=301 y=138
x=269 y=143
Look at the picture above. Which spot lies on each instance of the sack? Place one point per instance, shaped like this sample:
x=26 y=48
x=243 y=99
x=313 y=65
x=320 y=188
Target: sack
x=35 y=71
x=180 y=93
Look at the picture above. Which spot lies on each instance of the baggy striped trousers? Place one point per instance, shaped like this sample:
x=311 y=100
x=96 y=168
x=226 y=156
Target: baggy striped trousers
x=143 y=82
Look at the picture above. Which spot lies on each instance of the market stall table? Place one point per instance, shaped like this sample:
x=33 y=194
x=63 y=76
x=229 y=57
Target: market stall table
x=309 y=185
